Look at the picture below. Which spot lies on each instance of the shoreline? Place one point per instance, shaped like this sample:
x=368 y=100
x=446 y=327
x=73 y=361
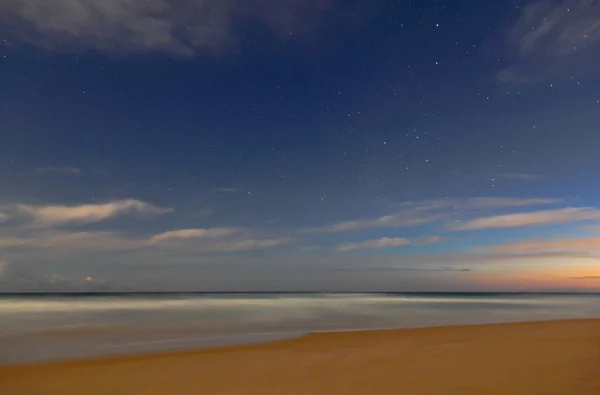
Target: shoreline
x=540 y=357
x=239 y=341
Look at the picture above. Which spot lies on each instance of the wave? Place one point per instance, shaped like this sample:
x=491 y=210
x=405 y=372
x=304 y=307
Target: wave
x=117 y=303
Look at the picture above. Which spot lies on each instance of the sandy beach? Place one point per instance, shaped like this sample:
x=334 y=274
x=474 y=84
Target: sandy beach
x=560 y=357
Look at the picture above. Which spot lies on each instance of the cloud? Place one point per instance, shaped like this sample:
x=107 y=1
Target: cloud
x=536 y=218
x=88 y=241
x=250 y=244
x=522 y=176
x=399 y=220
x=203 y=246
x=406 y=269
x=475 y=203
x=429 y=240
x=16 y=277
x=180 y=27
x=193 y=234
x=73 y=241
x=586 y=278
x=8 y=242
x=507 y=202
x=415 y=213
x=555 y=244
x=59 y=169
x=389 y=242
x=46 y=216
x=383 y=243
x=551 y=37
x=213 y=240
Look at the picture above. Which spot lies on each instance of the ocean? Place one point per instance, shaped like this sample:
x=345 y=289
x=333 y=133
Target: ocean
x=39 y=327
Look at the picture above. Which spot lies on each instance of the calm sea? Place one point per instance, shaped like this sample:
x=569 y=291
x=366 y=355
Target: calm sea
x=42 y=326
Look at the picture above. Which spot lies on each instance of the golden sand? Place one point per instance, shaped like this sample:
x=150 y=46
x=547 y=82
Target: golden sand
x=545 y=358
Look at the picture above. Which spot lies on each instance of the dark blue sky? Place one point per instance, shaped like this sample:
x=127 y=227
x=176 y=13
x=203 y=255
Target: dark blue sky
x=263 y=144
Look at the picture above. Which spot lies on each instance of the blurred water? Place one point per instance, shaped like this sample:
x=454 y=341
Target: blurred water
x=42 y=327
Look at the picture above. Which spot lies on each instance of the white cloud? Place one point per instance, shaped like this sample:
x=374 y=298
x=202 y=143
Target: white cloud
x=213 y=240
x=389 y=242
x=399 y=220
x=415 y=213
x=536 y=218
x=180 y=27
x=250 y=244
x=184 y=234
x=383 y=243
x=56 y=215
x=217 y=242
x=551 y=37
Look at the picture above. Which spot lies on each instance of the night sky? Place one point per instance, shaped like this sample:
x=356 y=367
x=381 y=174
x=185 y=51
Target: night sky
x=299 y=145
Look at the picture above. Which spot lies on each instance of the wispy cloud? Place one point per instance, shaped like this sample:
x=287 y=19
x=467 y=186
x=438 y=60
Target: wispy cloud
x=199 y=247
x=508 y=202
x=251 y=244
x=55 y=215
x=59 y=169
x=475 y=203
x=185 y=234
x=554 y=244
x=181 y=27
x=400 y=220
x=214 y=240
x=422 y=241
x=415 y=213
x=73 y=241
x=586 y=278
x=388 y=243
x=71 y=170
x=407 y=269
x=551 y=37
x=522 y=176
x=536 y=218
x=89 y=241
x=10 y=241
x=383 y=243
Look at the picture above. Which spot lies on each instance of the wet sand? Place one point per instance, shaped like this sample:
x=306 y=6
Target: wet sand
x=546 y=358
